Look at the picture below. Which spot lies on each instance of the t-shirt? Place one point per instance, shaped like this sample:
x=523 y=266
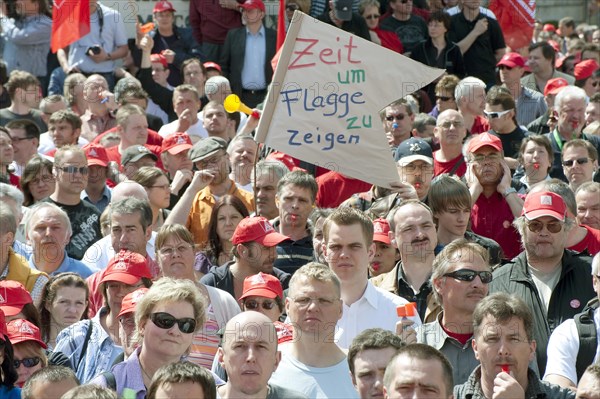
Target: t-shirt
x=511 y=142
x=545 y=283
x=410 y=32
x=33 y=115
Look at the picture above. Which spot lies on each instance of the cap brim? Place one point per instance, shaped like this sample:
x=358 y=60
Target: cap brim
x=140 y=156
x=179 y=148
x=479 y=146
x=263 y=292
x=25 y=338
x=271 y=239
x=11 y=310
x=382 y=238
x=97 y=162
x=196 y=159
x=509 y=64
x=411 y=158
x=532 y=215
x=123 y=312
x=124 y=278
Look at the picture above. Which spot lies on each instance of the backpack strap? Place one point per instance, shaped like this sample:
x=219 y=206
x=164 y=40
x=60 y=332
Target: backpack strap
x=88 y=334
x=588 y=341
x=111 y=382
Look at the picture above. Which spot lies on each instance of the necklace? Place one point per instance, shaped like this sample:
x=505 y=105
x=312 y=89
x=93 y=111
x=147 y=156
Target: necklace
x=144 y=371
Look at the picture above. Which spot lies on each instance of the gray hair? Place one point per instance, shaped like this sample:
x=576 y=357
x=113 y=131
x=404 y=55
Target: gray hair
x=40 y=206
x=8 y=223
x=8 y=190
x=215 y=83
x=570 y=91
x=466 y=87
x=128 y=206
x=269 y=167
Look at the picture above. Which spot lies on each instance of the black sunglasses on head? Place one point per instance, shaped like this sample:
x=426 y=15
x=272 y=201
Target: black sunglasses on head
x=469 y=275
x=165 y=321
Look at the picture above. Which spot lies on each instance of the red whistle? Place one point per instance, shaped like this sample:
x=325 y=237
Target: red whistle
x=408 y=310
x=417 y=185
x=536 y=166
x=293 y=217
x=255 y=114
x=375 y=266
x=505 y=368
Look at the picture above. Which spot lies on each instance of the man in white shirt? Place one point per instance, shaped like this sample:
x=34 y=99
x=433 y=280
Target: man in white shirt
x=186 y=104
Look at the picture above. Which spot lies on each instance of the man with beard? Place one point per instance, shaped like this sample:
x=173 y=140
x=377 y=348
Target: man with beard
x=495 y=203
x=554 y=283
x=48 y=229
x=242 y=156
x=460 y=279
x=254 y=241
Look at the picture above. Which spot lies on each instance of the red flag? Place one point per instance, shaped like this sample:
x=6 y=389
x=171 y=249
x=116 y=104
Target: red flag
x=281 y=24
x=70 y=21
x=516 y=18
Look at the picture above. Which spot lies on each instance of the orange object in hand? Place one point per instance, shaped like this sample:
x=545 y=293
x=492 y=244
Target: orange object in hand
x=147 y=27
x=408 y=310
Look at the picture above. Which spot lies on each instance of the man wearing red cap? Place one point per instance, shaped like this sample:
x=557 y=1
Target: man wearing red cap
x=254 y=241
x=544 y=123
x=249 y=76
x=160 y=70
x=495 y=203
x=96 y=192
x=587 y=76
x=530 y=103
x=177 y=164
x=553 y=282
x=542 y=57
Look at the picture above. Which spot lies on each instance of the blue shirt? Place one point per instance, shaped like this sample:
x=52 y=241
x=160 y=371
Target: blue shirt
x=253 y=72
x=14 y=393
x=102 y=202
x=68 y=265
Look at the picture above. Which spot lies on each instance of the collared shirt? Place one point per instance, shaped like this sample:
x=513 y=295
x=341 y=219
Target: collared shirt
x=93 y=125
x=530 y=106
x=375 y=308
x=38 y=286
x=253 y=72
x=128 y=375
x=406 y=291
x=26 y=42
x=104 y=200
x=68 y=265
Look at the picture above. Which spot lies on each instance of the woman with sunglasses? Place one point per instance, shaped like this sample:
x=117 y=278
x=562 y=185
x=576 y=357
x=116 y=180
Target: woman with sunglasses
x=157 y=185
x=369 y=10
x=175 y=255
x=8 y=373
x=28 y=347
x=37 y=180
x=166 y=319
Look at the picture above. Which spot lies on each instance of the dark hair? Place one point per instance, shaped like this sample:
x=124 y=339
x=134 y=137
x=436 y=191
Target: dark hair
x=66 y=115
x=538 y=140
x=372 y=338
x=441 y=16
x=499 y=95
x=300 y=179
x=31 y=314
x=547 y=50
x=503 y=307
x=9 y=375
x=55 y=374
x=182 y=372
x=129 y=205
x=35 y=165
x=32 y=131
x=214 y=248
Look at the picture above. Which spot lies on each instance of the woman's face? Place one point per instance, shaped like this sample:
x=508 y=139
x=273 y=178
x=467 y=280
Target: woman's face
x=227 y=220
x=42 y=185
x=536 y=160
x=159 y=194
x=68 y=306
x=167 y=342
x=436 y=29
x=24 y=372
x=176 y=258
x=371 y=16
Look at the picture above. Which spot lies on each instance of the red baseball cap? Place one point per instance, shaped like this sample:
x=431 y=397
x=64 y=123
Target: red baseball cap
x=13 y=296
x=257 y=229
x=96 y=155
x=544 y=203
x=549 y=28
x=553 y=86
x=251 y=4
x=176 y=143
x=512 y=60
x=483 y=139
x=21 y=330
x=212 y=65
x=126 y=267
x=381 y=228
x=160 y=59
x=585 y=69
x=554 y=45
x=131 y=300
x=163 y=6
x=3 y=330
x=262 y=284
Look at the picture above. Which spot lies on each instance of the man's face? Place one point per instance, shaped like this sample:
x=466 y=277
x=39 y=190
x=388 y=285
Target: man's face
x=444 y=100
x=135 y=131
x=476 y=104
x=348 y=253
x=258 y=257
x=588 y=209
x=93 y=88
x=543 y=244
x=462 y=296
x=217 y=164
x=384 y=259
x=588 y=387
x=510 y=75
x=295 y=205
x=471 y=4
x=418 y=174
x=97 y=174
x=126 y=232
x=62 y=133
x=24 y=147
x=415 y=233
x=592 y=112
x=450 y=129
x=215 y=120
x=164 y=18
x=400 y=8
x=502 y=123
x=193 y=75
x=132 y=167
x=51 y=107
x=592 y=86
x=454 y=220
x=314 y=307
x=48 y=234
x=250 y=356
x=571 y=115
x=242 y=155
x=126 y=332
x=398 y=122
x=183 y=100
x=537 y=63
x=160 y=73
x=76 y=181
x=579 y=172
x=417 y=378
x=265 y=191
x=175 y=162
x=369 y=367
x=31 y=96
x=503 y=343
x=252 y=16
x=488 y=165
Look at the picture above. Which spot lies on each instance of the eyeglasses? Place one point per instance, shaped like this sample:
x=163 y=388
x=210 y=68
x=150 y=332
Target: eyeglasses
x=74 y=169
x=170 y=251
x=19 y=139
x=253 y=304
x=305 y=301
x=536 y=226
x=165 y=321
x=469 y=275
x=163 y=186
x=444 y=98
x=397 y=117
x=449 y=124
x=292 y=7
x=483 y=158
x=412 y=167
x=494 y=115
x=501 y=67
x=372 y=16
x=28 y=362
x=579 y=161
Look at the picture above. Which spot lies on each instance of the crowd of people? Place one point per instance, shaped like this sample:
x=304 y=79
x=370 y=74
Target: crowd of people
x=150 y=247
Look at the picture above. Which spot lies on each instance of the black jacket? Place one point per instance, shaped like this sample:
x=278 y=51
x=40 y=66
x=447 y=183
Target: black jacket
x=573 y=290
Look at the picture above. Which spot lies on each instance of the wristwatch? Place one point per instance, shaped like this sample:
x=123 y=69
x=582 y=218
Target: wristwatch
x=109 y=57
x=509 y=191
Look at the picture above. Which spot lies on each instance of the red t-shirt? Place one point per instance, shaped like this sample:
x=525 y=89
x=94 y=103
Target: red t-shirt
x=440 y=167
x=153 y=137
x=335 y=188
x=480 y=125
x=591 y=242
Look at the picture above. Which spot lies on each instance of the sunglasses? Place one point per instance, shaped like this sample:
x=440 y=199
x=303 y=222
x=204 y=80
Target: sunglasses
x=469 y=275
x=398 y=117
x=579 y=161
x=501 y=67
x=74 y=169
x=444 y=98
x=494 y=115
x=536 y=226
x=292 y=7
x=596 y=83
x=253 y=305
x=372 y=16
x=165 y=321
x=28 y=362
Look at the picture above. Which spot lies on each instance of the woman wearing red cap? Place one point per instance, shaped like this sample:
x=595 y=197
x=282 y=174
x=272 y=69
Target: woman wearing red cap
x=29 y=349
x=8 y=373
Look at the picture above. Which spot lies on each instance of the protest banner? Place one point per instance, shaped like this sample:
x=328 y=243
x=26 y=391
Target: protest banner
x=323 y=104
